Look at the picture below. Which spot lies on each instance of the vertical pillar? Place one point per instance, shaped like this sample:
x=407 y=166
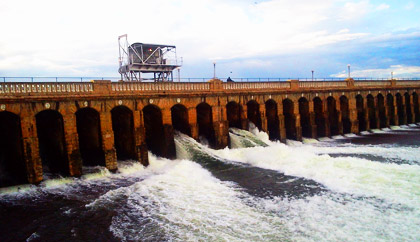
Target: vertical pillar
x=263 y=118
x=404 y=113
x=353 y=116
x=339 y=116
x=377 y=118
x=168 y=131
x=31 y=148
x=220 y=126
x=108 y=141
x=396 y=108
x=312 y=120
x=366 y=111
x=282 y=127
x=326 y=115
x=192 y=120
x=72 y=144
x=244 y=116
x=296 y=114
x=140 y=138
x=386 y=113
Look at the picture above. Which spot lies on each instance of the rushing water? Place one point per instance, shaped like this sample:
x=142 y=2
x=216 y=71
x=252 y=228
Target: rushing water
x=353 y=188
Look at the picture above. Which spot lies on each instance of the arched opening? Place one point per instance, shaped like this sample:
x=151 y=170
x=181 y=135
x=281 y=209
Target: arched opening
x=319 y=117
x=333 y=116
x=90 y=140
x=289 y=119
x=12 y=165
x=408 y=108
x=400 y=109
x=52 y=148
x=253 y=113
x=345 y=114
x=381 y=111
x=273 y=123
x=179 y=114
x=233 y=110
x=371 y=111
x=360 y=113
x=416 y=107
x=391 y=108
x=155 y=136
x=205 y=123
x=123 y=127
x=305 y=121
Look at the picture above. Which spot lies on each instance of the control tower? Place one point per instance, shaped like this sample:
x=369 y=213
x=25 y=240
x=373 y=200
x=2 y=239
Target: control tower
x=147 y=62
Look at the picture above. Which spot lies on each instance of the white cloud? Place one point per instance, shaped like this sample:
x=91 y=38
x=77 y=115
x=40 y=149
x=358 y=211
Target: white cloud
x=409 y=6
x=382 y=6
x=398 y=71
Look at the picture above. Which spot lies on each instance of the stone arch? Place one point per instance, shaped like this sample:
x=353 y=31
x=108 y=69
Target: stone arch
x=305 y=119
x=253 y=113
x=408 y=108
x=123 y=127
x=273 y=123
x=361 y=113
x=345 y=114
x=90 y=137
x=51 y=139
x=333 y=115
x=319 y=117
x=289 y=119
x=205 y=123
x=233 y=111
x=416 y=107
x=12 y=163
x=179 y=114
x=391 y=108
x=381 y=111
x=371 y=111
x=159 y=137
x=400 y=109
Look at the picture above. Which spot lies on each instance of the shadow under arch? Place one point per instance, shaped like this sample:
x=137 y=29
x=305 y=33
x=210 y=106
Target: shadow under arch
x=381 y=111
x=90 y=137
x=12 y=163
x=289 y=119
x=345 y=114
x=233 y=112
x=273 y=123
x=333 y=116
x=360 y=113
x=123 y=127
x=253 y=113
x=371 y=111
x=159 y=137
x=205 y=123
x=52 y=146
x=319 y=117
x=179 y=114
x=305 y=119
x=400 y=109
x=416 y=107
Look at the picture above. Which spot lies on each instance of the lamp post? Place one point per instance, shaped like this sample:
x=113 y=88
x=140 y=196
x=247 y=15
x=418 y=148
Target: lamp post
x=312 y=75
x=392 y=75
x=348 y=66
x=214 y=67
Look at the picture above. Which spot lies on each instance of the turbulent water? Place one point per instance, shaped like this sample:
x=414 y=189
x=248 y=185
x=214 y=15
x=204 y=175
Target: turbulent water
x=345 y=188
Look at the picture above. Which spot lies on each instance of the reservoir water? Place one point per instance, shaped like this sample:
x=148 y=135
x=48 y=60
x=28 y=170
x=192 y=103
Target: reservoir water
x=346 y=188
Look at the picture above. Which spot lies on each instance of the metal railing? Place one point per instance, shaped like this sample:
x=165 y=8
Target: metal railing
x=191 y=79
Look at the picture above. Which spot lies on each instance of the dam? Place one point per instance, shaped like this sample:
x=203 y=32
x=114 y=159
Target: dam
x=57 y=127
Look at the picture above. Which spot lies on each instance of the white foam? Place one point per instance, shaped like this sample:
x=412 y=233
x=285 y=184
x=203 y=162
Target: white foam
x=365 y=133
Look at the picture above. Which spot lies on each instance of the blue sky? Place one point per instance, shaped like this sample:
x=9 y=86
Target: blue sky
x=277 y=38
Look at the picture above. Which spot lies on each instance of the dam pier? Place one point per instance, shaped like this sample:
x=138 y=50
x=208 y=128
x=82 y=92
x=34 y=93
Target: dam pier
x=57 y=127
